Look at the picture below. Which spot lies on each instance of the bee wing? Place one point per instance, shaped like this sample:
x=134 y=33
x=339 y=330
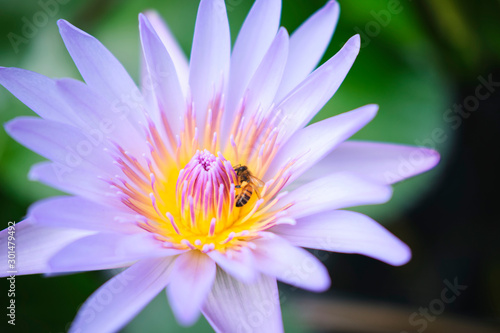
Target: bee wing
x=257 y=181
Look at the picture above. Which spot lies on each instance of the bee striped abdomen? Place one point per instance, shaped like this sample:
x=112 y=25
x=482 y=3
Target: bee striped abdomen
x=244 y=196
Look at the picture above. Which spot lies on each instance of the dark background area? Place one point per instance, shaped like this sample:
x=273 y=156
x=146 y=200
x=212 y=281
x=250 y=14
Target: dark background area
x=419 y=59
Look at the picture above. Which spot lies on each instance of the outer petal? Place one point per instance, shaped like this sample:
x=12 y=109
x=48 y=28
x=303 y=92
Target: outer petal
x=193 y=274
x=97 y=119
x=107 y=250
x=162 y=75
x=38 y=92
x=102 y=71
x=304 y=147
x=121 y=298
x=264 y=84
x=275 y=256
x=79 y=182
x=233 y=306
x=254 y=39
x=61 y=143
x=35 y=245
x=239 y=264
x=338 y=190
x=303 y=102
x=347 y=232
x=78 y=213
x=313 y=35
x=173 y=48
x=381 y=162
x=209 y=55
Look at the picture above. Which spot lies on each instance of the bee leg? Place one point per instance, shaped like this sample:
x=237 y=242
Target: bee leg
x=237 y=186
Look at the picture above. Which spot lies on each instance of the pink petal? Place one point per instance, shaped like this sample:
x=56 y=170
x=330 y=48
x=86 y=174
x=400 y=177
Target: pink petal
x=210 y=53
x=381 y=162
x=233 y=306
x=346 y=232
x=106 y=251
x=162 y=76
x=275 y=256
x=102 y=71
x=254 y=39
x=303 y=102
x=314 y=36
x=78 y=213
x=303 y=145
x=193 y=274
x=114 y=304
x=338 y=190
x=173 y=48
x=35 y=245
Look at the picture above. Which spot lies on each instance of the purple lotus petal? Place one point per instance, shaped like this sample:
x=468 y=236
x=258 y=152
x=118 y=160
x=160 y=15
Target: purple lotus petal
x=102 y=71
x=293 y=265
x=60 y=143
x=233 y=306
x=264 y=84
x=381 y=162
x=331 y=132
x=106 y=251
x=303 y=102
x=97 y=119
x=338 y=190
x=115 y=303
x=314 y=36
x=38 y=92
x=241 y=265
x=35 y=244
x=255 y=37
x=162 y=76
x=192 y=277
x=78 y=213
x=209 y=66
x=76 y=181
x=346 y=232
x=173 y=48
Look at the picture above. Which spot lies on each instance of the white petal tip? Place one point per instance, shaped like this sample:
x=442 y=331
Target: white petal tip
x=323 y=287
x=332 y=5
x=432 y=157
x=150 y=13
x=356 y=41
x=62 y=23
x=9 y=126
x=403 y=257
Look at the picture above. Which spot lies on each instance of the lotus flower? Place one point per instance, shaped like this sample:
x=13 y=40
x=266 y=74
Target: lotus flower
x=206 y=181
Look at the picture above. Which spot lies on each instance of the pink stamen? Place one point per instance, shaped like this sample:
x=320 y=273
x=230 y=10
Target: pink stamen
x=211 y=232
x=188 y=244
x=229 y=238
x=172 y=222
x=192 y=211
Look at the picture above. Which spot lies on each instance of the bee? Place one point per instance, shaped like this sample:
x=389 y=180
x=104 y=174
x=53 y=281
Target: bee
x=248 y=184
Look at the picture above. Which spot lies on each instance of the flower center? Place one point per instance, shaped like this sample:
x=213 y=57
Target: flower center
x=205 y=159
x=191 y=198
x=205 y=193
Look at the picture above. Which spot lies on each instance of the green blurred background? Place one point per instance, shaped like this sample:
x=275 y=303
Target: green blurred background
x=418 y=60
